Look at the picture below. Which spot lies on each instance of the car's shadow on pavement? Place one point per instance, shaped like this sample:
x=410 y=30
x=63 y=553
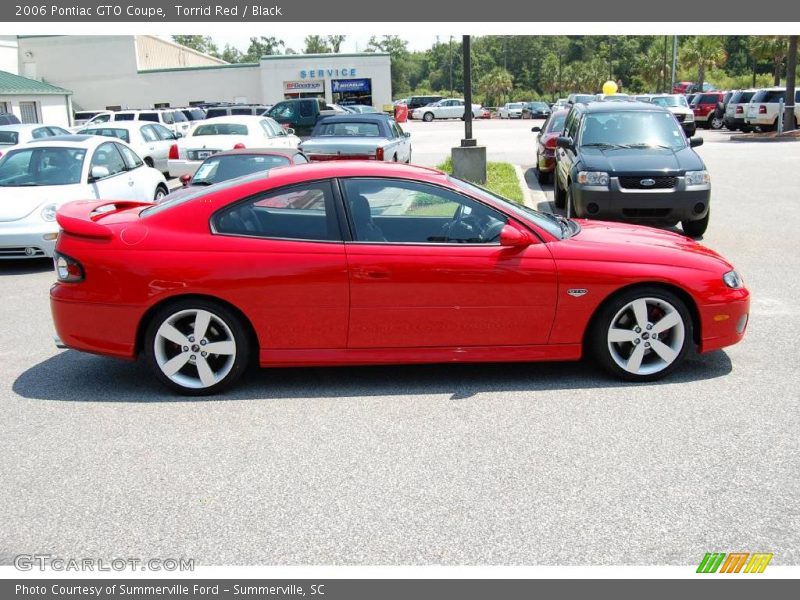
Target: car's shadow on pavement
x=25 y=266
x=76 y=377
x=549 y=207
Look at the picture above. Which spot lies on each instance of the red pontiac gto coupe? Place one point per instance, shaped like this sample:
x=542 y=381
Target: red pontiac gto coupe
x=345 y=263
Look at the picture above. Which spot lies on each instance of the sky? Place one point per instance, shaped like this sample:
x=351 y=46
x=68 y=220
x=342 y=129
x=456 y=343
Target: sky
x=353 y=43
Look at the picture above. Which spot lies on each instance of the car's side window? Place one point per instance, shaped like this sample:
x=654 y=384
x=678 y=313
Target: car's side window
x=300 y=212
x=108 y=157
x=132 y=161
x=163 y=132
x=149 y=133
x=40 y=133
x=407 y=212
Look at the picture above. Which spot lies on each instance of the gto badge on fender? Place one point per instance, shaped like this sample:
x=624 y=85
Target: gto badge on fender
x=577 y=292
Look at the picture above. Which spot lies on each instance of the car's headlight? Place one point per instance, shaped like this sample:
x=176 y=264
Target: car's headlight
x=733 y=280
x=697 y=178
x=49 y=212
x=689 y=118
x=593 y=178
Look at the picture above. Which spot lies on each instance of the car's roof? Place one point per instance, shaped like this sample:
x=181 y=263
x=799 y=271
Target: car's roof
x=25 y=126
x=251 y=119
x=601 y=107
x=356 y=118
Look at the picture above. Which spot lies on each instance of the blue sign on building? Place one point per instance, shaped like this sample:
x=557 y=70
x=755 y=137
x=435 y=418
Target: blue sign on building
x=350 y=85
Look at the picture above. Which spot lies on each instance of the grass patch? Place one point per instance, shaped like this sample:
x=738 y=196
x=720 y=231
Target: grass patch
x=501 y=179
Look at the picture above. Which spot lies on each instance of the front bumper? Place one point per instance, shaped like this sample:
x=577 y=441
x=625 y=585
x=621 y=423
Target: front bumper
x=724 y=322
x=28 y=239
x=666 y=206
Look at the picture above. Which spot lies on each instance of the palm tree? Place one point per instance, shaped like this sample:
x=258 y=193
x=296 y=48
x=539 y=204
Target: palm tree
x=703 y=52
x=769 y=47
x=496 y=84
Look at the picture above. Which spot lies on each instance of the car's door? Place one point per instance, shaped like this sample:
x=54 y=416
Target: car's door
x=117 y=182
x=427 y=270
x=565 y=157
x=403 y=142
x=143 y=178
x=159 y=140
x=284 y=249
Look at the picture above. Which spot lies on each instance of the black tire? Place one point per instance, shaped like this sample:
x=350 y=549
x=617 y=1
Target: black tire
x=148 y=161
x=568 y=203
x=695 y=229
x=233 y=368
x=543 y=178
x=608 y=314
x=408 y=161
x=427 y=117
x=161 y=191
x=559 y=195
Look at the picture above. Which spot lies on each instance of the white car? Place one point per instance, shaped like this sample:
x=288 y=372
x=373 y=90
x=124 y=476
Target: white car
x=226 y=133
x=21 y=133
x=40 y=176
x=83 y=119
x=170 y=118
x=448 y=108
x=762 y=111
x=150 y=141
x=511 y=110
x=677 y=105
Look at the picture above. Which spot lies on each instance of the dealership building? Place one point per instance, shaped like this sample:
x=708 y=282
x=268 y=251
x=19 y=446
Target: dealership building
x=145 y=71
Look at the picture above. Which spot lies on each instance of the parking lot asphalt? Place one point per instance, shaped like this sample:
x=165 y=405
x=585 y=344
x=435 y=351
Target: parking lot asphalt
x=446 y=464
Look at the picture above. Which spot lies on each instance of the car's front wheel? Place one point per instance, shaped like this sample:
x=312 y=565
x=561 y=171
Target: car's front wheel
x=716 y=122
x=196 y=347
x=161 y=191
x=559 y=195
x=427 y=117
x=642 y=334
x=696 y=228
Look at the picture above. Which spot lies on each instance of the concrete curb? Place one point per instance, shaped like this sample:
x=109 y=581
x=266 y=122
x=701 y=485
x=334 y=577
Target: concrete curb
x=532 y=194
x=764 y=140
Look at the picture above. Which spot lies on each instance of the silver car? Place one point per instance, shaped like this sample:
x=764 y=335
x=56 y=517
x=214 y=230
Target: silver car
x=365 y=137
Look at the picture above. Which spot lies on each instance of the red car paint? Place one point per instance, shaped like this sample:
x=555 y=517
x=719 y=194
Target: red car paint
x=706 y=103
x=333 y=303
x=546 y=142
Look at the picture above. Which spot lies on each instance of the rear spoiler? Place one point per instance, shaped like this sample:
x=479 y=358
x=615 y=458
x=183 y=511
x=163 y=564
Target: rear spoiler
x=81 y=217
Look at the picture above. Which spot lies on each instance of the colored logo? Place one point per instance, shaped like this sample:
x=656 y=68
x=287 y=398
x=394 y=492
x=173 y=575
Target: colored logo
x=735 y=562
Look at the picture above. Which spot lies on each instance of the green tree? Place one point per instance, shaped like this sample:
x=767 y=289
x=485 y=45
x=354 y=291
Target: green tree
x=231 y=54
x=772 y=48
x=703 y=52
x=262 y=46
x=335 y=42
x=201 y=43
x=495 y=86
x=397 y=48
x=316 y=44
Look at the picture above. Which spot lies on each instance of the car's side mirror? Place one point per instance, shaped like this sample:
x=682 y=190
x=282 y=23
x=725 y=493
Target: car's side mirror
x=512 y=237
x=290 y=131
x=564 y=141
x=185 y=179
x=98 y=172
x=536 y=129
x=695 y=141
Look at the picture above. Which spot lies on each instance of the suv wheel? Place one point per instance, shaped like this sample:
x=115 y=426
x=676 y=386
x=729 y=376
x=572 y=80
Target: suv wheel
x=716 y=122
x=559 y=195
x=696 y=228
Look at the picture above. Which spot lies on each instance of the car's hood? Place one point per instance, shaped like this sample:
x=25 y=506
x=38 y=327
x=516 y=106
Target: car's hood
x=19 y=202
x=641 y=161
x=620 y=242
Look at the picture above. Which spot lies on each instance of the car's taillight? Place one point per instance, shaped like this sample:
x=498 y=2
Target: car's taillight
x=379 y=154
x=762 y=110
x=239 y=146
x=551 y=143
x=68 y=269
x=173 y=152
x=739 y=109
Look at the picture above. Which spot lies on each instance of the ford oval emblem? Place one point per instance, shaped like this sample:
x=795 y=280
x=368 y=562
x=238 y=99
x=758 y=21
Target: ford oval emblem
x=647 y=182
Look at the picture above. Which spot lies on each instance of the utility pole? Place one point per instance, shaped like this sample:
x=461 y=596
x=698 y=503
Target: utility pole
x=663 y=78
x=791 y=69
x=450 y=54
x=674 y=60
x=469 y=159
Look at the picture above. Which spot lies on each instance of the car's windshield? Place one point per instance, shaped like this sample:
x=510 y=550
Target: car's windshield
x=41 y=166
x=645 y=128
x=348 y=129
x=114 y=132
x=556 y=123
x=538 y=105
x=546 y=221
x=583 y=98
x=220 y=129
x=669 y=101
x=222 y=168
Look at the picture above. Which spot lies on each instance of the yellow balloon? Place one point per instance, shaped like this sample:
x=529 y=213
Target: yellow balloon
x=610 y=87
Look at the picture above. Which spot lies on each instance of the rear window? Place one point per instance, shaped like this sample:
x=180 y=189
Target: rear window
x=769 y=96
x=216 y=112
x=125 y=117
x=349 y=129
x=242 y=111
x=194 y=114
x=85 y=116
x=9 y=138
x=179 y=116
x=114 y=132
x=220 y=129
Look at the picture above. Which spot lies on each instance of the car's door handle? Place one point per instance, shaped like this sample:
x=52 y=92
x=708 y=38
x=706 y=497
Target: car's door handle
x=371 y=273
x=131 y=182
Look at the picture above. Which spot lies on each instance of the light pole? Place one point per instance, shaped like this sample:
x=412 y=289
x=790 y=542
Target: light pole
x=469 y=159
x=791 y=69
x=674 y=60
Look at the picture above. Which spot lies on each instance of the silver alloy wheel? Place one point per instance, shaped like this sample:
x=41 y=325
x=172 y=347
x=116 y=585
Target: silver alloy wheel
x=646 y=336
x=194 y=348
x=716 y=123
x=160 y=193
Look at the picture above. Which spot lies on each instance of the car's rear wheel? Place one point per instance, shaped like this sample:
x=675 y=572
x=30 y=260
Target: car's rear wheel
x=716 y=122
x=643 y=334
x=543 y=177
x=148 y=161
x=696 y=228
x=161 y=191
x=196 y=347
x=427 y=117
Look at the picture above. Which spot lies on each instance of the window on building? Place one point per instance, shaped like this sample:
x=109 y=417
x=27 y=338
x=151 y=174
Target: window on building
x=28 y=112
